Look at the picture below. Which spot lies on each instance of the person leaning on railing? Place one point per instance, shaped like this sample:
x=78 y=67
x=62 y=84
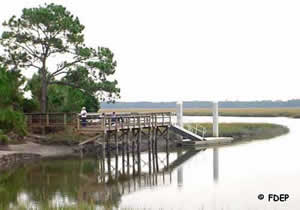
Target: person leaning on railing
x=83 y=115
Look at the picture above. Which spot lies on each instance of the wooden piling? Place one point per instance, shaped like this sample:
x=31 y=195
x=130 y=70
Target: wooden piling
x=65 y=119
x=149 y=148
x=123 y=152
x=116 y=153
x=139 y=135
x=128 y=152
x=133 y=151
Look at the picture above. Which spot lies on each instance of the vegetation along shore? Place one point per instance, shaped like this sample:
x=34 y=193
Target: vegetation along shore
x=244 y=131
x=234 y=112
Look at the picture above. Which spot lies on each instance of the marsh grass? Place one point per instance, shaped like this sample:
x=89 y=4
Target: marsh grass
x=237 y=112
x=244 y=131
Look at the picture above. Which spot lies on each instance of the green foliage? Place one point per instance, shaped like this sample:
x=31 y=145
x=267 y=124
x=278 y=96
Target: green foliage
x=11 y=97
x=10 y=93
x=11 y=120
x=244 y=131
x=34 y=85
x=3 y=138
x=30 y=105
x=61 y=98
x=40 y=34
x=66 y=99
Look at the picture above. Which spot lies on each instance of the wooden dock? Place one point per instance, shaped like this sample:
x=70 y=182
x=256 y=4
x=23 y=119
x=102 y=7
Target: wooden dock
x=123 y=130
x=121 y=133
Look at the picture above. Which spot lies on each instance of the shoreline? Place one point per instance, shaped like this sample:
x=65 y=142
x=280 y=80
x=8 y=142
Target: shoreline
x=11 y=155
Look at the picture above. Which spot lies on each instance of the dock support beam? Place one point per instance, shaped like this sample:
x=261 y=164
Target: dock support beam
x=215 y=119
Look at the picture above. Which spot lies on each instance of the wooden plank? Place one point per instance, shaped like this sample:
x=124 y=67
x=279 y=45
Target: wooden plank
x=90 y=140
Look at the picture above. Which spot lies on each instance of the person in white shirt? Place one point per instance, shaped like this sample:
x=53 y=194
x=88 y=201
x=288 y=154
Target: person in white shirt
x=83 y=115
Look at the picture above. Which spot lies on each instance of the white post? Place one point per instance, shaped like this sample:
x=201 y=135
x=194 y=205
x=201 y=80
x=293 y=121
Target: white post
x=215 y=119
x=179 y=114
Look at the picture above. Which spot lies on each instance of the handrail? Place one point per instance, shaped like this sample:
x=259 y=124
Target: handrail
x=104 y=122
x=198 y=129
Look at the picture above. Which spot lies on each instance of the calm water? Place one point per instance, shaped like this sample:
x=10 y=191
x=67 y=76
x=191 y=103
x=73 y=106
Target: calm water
x=228 y=178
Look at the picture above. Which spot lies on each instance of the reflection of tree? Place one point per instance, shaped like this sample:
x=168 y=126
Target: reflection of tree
x=10 y=186
x=45 y=181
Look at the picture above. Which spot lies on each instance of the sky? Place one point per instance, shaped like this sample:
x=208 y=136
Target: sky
x=172 y=50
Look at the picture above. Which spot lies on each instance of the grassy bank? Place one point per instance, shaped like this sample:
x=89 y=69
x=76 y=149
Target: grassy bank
x=238 y=112
x=244 y=131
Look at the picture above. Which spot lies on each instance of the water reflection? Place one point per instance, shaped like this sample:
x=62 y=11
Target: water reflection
x=101 y=181
x=179 y=171
x=216 y=164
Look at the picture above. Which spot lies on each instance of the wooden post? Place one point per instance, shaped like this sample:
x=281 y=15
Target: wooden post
x=78 y=123
x=123 y=152
x=153 y=148
x=133 y=152
x=128 y=152
x=139 y=150
x=31 y=120
x=108 y=155
x=103 y=149
x=47 y=119
x=104 y=123
x=149 y=149
x=167 y=139
x=167 y=146
x=117 y=153
x=156 y=139
x=65 y=119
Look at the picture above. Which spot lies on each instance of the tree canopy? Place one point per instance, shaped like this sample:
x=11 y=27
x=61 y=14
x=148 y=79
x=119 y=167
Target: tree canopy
x=61 y=98
x=50 y=40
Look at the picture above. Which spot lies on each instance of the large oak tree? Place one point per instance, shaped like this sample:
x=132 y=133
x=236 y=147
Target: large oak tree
x=51 y=40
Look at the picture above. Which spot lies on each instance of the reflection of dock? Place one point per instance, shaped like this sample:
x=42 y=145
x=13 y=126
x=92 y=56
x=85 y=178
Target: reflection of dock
x=183 y=158
x=111 y=182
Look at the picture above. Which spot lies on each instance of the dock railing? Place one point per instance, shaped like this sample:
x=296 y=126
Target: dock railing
x=97 y=121
x=50 y=119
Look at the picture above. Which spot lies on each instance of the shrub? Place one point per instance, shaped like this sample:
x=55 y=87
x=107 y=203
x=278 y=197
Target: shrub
x=12 y=121
x=3 y=139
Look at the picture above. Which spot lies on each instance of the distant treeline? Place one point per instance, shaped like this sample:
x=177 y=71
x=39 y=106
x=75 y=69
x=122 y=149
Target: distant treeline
x=203 y=104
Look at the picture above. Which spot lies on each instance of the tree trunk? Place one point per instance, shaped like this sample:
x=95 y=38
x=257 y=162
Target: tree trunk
x=44 y=91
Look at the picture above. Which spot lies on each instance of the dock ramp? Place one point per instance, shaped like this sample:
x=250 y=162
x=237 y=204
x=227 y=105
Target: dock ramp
x=186 y=133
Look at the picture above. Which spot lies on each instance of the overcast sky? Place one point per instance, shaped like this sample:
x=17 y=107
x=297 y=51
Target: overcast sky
x=193 y=50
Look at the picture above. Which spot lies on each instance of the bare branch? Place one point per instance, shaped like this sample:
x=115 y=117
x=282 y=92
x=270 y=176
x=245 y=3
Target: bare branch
x=62 y=72
x=28 y=50
x=64 y=83
x=67 y=65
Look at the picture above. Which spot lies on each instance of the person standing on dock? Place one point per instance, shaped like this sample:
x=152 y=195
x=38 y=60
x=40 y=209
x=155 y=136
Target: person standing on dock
x=83 y=115
x=113 y=118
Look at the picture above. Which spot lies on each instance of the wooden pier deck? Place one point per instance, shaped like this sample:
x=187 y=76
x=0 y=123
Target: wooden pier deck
x=97 y=122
